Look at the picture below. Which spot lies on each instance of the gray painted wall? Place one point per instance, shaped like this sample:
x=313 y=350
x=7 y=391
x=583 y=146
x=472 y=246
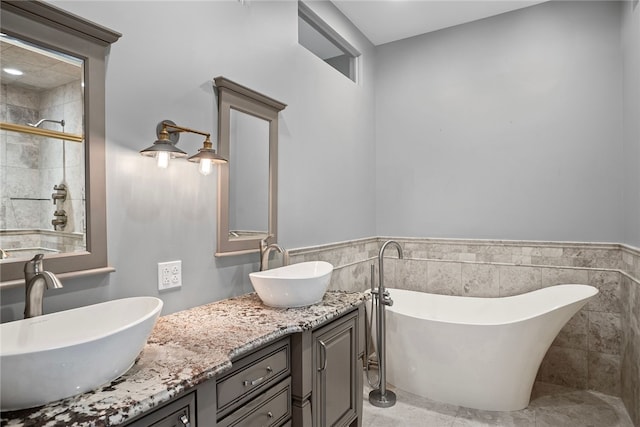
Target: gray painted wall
x=162 y=68
x=505 y=128
x=511 y=127
x=631 y=149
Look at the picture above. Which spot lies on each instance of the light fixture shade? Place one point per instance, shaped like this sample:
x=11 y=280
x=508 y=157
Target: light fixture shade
x=163 y=146
x=207 y=156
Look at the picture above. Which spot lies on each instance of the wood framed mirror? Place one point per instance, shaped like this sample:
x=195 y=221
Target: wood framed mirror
x=248 y=184
x=51 y=42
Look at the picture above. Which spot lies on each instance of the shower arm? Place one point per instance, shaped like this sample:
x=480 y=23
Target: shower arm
x=39 y=122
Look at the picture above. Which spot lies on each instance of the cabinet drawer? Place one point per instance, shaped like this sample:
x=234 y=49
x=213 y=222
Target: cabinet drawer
x=175 y=414
x=271 y=408
x=252 y=375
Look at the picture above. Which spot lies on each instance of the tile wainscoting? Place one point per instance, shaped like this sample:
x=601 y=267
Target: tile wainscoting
x=598 y=349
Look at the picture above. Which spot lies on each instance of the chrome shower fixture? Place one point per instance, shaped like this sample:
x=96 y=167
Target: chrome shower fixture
x=59 y=221
x=39 y=122
x=60 y=193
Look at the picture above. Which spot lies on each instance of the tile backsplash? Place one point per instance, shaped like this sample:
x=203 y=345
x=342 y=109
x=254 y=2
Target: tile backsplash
x=598 y=349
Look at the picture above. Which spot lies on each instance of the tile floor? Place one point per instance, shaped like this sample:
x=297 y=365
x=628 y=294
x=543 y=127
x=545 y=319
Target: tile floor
x=551 y=406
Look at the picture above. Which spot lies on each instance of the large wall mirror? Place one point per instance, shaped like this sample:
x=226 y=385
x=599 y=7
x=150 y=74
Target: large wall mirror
x=51 y=140
x=248 y=184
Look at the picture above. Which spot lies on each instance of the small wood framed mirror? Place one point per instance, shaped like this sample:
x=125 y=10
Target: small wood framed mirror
x=248 y=184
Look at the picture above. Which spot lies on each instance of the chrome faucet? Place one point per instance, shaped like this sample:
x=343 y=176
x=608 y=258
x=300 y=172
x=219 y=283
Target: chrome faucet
x=382 y=397
x=266 y=249
x=36 y=281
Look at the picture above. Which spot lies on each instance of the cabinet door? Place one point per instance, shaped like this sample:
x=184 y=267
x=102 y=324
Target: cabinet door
x=335 y=373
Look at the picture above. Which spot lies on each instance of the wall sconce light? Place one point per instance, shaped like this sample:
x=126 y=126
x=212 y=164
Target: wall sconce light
x=165 y=148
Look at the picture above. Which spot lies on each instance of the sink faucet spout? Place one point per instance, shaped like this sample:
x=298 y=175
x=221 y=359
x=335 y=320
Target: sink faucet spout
x=36 y=281
x=264 y=254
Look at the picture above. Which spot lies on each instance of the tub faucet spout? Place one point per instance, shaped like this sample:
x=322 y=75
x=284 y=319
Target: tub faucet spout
x=36 y=281
x=384 y=294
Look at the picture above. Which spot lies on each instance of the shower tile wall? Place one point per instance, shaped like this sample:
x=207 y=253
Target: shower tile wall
x=65 y=102
x=598 y=349
x=30 y=166
x=20 y=154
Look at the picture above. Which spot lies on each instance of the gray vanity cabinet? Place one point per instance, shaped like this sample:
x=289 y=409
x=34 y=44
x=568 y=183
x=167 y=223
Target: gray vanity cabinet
x=327 y=373
x=255 y=392
x=308 y=379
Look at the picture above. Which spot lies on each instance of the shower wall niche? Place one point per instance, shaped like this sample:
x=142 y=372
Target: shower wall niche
x=32 y=165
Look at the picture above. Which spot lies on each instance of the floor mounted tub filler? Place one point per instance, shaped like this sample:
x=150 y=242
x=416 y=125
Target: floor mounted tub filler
x=480 y=353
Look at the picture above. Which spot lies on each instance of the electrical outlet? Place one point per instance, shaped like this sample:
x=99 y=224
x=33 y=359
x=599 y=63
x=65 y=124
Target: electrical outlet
x=169 y=275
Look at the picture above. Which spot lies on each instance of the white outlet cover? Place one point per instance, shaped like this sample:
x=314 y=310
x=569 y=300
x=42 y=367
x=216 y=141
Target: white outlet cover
x=169 y=275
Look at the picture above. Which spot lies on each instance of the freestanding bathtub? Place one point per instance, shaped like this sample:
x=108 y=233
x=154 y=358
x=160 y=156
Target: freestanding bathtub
x=479 y=353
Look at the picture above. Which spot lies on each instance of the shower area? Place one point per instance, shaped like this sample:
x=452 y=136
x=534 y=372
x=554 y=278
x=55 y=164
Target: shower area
x=42 y=152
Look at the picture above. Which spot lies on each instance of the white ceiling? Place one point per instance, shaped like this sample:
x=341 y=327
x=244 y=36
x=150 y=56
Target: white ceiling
x=43 y=69
x=384 y=21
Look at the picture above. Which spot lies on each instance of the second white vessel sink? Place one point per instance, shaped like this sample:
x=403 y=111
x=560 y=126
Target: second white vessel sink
x=57 y=355
x=295 y=285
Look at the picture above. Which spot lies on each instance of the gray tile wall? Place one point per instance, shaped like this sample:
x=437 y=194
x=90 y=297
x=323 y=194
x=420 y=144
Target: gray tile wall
x=598 y=349
x=630 y=340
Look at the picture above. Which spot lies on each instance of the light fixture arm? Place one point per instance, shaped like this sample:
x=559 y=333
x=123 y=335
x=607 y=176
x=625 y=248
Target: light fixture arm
x=168 y=126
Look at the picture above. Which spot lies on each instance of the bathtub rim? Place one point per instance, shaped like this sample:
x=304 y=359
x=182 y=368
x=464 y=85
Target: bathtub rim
x=588 y=292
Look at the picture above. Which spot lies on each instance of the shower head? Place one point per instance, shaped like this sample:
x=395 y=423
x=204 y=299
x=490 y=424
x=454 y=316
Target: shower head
x=39 y=122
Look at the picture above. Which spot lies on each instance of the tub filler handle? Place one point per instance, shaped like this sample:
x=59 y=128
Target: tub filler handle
x=386 y=299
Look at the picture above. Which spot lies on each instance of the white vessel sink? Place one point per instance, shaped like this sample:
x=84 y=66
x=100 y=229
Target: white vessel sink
x=295 y=285
x=57 y=355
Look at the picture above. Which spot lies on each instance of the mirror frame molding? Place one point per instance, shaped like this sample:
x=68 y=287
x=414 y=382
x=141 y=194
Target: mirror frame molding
x=54 y=28
x=240 y=98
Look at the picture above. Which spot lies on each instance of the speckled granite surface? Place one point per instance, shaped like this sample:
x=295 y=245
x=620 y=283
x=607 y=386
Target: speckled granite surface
x=185 y=349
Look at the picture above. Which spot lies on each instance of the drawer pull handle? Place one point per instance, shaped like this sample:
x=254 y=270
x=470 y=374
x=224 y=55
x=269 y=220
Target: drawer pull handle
x=185 y=420
x=270 y=414
x=323 y=355
x=251 y=383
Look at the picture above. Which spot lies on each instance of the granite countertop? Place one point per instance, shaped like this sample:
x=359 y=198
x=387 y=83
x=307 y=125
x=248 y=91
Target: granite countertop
x=185 y=349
